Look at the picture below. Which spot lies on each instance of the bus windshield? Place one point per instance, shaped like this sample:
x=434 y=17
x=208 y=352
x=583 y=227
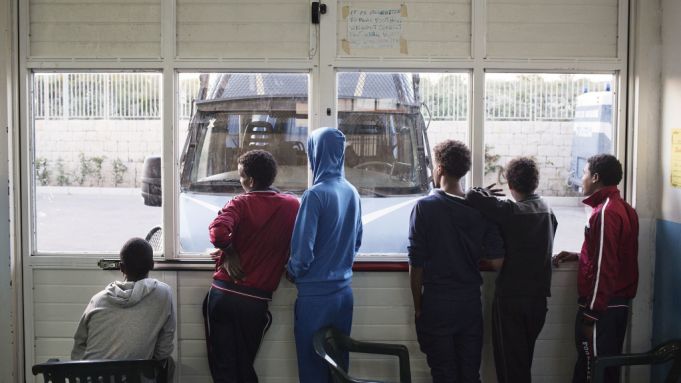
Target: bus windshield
x=381 y=156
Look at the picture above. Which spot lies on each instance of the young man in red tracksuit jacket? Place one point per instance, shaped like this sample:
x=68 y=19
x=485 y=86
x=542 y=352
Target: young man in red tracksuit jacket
x=608 y=268
x=253 y=235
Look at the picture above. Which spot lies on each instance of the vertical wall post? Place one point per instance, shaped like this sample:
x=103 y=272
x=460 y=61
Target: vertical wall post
x=8 y=363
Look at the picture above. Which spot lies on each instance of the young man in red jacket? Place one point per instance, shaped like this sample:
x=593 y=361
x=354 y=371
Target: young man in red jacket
x=253 y=235
x=608 y=268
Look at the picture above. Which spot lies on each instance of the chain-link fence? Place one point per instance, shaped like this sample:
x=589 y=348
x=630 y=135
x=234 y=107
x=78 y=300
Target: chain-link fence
x=529 y=97
x=97 y=96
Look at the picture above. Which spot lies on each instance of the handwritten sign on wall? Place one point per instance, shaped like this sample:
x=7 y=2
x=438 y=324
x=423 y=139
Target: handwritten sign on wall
x=676 y=158
x=375 y=28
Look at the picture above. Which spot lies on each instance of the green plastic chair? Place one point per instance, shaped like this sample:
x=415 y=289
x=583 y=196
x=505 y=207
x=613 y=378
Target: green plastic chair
x=110 y=371
x=668 y=351
x=330 y=343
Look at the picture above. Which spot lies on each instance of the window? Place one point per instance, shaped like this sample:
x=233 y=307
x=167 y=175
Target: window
x=560 y=120
x=91 y=135
x=93 y=131
x=233 y=113
x=390 y=121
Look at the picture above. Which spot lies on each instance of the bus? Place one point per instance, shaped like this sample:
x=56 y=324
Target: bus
x=592 y=132
x=386 y=156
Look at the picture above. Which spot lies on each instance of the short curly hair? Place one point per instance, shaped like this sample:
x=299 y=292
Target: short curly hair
x=138 y=257
x=608 y=168
x=522 y=175
x=454 y=157
x=261 y=166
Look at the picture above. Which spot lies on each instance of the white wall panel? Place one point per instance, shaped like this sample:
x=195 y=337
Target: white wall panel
x=59 y=298
x=671 y=95
x=383 y=313
x=429 y=28
x=552 y=28
x=243 y=29
x=95 y=29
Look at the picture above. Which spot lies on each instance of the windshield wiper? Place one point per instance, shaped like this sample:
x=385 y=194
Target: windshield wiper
x=219 y=182
x=294 y=191
x=371 y=192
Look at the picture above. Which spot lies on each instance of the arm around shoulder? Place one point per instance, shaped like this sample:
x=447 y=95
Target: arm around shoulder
x=489 y=205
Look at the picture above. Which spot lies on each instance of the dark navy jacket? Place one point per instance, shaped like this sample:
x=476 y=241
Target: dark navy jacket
x=448 y=238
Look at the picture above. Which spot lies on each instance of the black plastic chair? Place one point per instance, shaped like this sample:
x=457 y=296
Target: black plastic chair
x=329 y=343
x=109 y=371
x=155 y=238
x=661 y=354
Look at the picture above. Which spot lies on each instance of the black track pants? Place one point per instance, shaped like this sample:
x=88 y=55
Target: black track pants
x=235 y=326
x=449 y=332
x=516 y=324
x=609 y=332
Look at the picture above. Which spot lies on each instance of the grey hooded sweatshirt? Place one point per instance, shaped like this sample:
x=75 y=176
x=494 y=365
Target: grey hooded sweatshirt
x=127 y=320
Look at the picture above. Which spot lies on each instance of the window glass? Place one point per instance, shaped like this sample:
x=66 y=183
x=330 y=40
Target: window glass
x=559 y=120
x=391 y=120
x=446 y=106
x=228 y=115
x=92 y=133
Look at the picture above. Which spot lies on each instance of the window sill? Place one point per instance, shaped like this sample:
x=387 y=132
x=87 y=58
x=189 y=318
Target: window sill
x=204 y=264
x=359 y=266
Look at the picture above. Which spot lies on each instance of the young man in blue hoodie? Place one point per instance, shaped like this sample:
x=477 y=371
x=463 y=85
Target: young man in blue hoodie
x=326 y=237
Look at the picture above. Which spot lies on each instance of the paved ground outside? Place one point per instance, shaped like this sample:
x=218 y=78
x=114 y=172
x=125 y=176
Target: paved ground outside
x=100 y=220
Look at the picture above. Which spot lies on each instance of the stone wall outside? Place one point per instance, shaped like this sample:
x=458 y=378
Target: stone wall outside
x=548 y=142
x=79 y=144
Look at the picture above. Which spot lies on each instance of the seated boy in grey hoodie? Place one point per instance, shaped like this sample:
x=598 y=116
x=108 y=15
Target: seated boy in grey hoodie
x=133 y=319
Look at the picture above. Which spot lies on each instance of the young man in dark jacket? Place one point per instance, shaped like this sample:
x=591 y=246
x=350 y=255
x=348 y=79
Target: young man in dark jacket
x=528 y=227
x=447 y=241
x=608 y=268
x=253 y=235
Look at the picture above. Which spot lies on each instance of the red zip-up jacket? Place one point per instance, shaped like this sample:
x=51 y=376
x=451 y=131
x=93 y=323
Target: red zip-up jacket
x=258 y=225
x=608 y=266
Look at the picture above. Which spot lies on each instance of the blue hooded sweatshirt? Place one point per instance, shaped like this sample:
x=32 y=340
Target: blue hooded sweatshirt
x=328 y=229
